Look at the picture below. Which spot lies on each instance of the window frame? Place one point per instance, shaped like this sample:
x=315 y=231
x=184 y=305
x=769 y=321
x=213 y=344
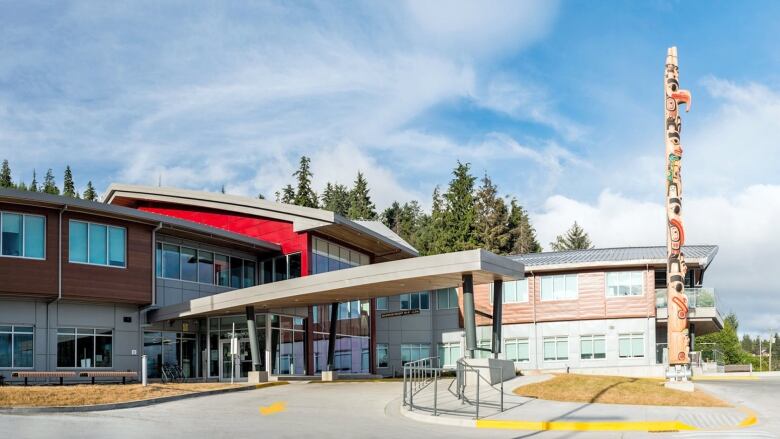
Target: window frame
x=631 y=336
x=449 y=347
x=555 y=339
x=415 y=346
x=95 y=335
x=552 y=278
x=198 y=250
x=517 y=341
x=631 y=273
x=503 y=292
x=24 y=235
x=592 y=338
x=418 y=294
x=450 y=294
x=108 y=244
x=386 y=348
x=13 y=333
x=386 y=303
x=334 y=252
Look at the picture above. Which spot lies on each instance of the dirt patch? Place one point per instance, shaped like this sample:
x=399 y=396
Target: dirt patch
x=616 y=390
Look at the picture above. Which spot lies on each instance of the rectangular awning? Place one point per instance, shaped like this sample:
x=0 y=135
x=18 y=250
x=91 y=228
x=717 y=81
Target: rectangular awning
x=365 y=282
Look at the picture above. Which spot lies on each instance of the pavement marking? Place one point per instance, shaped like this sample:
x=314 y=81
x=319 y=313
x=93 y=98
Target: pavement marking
x=651 y=426
x=725 y=378
x=276 y=407
x=750 y=419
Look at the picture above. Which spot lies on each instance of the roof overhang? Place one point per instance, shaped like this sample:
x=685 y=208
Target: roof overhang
x=303 y=219
x=573 y=266
x=706 y=320
x=368 y=281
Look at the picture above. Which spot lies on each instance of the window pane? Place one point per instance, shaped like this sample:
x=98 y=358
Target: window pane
x=343 y=257
x=222 y=270
x=404 y=301
x=559 y=287
x=34 y=236
x=415 y=303
x=511 y=350
x=522 y=290
x=571 y=286
x=442 y=299
x=563 y=349
x=638 y=346
x=103 y=349
x=77 y=242
x=23 y=350
x=624 y=347
x=85 y=350
x=5 y=350
x=116 y=246
x=547 y=288
x=12 y=234
x=97 y=244
x=586 y=347
x=171 y=261
x=381 y=303
x=189 y=264
x=424 y=301
x=250 y=268
x=522 y=351
x=268 y=271
x=599 y=348
x=280 y=268
x=549 y=350
x=235 y=272
x=158 y=259
x=295 y=265
x=205 y=267
x=66 y=350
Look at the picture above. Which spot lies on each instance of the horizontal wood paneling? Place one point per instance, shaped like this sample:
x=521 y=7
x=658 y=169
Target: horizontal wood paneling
x=31 y=277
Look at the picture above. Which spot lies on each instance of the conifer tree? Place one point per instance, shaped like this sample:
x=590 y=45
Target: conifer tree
x=89 y=193
x=21 y=186
x=390 y=216
x=49 y=184
x=522 y=234
x=361 y=207
x=68 y=188
x=492 y=218
x=460 y=213
x=286 y=196
x=335 y=198
x=574 y=239
x=260 y=197
x=304 y=195
x=5 y=175
x=34 y=183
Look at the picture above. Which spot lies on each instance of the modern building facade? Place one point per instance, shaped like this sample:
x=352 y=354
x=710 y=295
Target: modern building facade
x=175 y=274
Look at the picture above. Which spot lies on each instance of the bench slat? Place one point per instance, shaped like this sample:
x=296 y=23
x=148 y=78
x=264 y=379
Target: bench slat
x=33 y=374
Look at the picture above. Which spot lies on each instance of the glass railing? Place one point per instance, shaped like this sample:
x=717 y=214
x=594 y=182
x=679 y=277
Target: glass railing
x=697 y=298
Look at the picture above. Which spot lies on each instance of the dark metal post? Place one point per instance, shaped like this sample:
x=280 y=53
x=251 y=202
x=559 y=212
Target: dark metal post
x=498 y=305
x=252 y=330
x=469 y=317
x=334 y=315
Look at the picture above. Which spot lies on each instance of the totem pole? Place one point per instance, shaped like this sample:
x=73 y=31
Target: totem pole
x=677 y=301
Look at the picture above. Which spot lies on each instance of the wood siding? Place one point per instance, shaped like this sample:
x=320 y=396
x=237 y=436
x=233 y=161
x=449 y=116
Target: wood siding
x=591 y=302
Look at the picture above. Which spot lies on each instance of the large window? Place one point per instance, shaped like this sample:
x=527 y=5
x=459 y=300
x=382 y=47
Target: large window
x=449 y=353
x=331 y=257
x=16 y=346
x=280 y=268
x=414 y=352
x=84 y=348
x=559 y=287
x=516 y=349
x=447 y=298
x=556 y=348
x=515 y=291
x=381 y=303
x=593 y=347
x=631 y=345
x=22 y=235
x=625 y=283
x=97 y=244
x=381 y=355
x=415 y=301
x=194 y=265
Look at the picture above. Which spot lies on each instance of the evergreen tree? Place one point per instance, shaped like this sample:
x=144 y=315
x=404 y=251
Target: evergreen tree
x=360 y=205
x=725 y=341
x=522 y=236
x=747 y=343
x=260 y=197
x=21 y=186
x=222 y=189
x=5 y=175
x=89 y=193
x=335 y=198
x=460 y=212
x=492 y=218
x=68 y=188
x=49 y=185
x=575 y=239
x=406 y=221
x=286 y=196
x=305 y=195
x=34 y=183
x=390 y=216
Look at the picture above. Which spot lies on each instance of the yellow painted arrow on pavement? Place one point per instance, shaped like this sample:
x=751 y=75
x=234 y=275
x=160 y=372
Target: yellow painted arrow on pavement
x=276 y=407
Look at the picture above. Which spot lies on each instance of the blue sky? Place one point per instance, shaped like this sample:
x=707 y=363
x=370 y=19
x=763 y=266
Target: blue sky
x=559 y=102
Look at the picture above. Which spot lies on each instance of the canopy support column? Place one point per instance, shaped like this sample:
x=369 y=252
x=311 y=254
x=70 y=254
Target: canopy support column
x=252 y=330
x=469 y=316
x=334 y=315
x=498 y=305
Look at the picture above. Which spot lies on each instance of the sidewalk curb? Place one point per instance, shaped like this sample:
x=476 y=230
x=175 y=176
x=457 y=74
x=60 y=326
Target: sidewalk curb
x=130 y=404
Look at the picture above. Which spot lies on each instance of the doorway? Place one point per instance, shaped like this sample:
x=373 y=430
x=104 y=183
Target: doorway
x=243 y=362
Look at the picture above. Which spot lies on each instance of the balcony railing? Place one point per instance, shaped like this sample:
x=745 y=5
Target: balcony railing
x=697 y=298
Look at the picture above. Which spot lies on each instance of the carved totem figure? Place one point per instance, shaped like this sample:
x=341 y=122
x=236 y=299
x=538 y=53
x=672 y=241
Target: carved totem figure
x=677 y=301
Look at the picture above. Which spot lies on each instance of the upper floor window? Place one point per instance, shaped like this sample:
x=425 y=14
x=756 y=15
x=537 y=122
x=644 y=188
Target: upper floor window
x=625 y=283
x=515 y=291
x=331 y=257
x=559 y=287
x=22 y=235
x=98 y=244
x=415 y=301
x=381 y=303
x=447 y=298
x=195 y=265
x=280 y=268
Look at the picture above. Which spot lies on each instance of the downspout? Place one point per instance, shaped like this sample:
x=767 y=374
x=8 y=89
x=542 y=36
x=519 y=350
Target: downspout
x=142 y=311
x=536 y=335
x=59 y=283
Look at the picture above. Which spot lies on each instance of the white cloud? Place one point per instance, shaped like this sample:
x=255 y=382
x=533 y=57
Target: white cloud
x=743 y=226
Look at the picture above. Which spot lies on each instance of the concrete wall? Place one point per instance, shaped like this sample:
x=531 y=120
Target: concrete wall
x=69 y=314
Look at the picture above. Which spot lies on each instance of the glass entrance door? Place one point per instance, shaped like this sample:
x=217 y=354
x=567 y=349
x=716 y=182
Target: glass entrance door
x=243 y=362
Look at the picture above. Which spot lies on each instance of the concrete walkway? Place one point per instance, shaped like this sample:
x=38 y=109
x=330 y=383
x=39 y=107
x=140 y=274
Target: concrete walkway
x=532 y=414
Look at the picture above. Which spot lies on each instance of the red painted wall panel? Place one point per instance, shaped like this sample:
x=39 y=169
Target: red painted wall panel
x=275 y=231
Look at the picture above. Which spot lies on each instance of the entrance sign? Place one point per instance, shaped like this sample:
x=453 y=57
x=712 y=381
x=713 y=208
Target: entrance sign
x=404 y=312
x=677 y=335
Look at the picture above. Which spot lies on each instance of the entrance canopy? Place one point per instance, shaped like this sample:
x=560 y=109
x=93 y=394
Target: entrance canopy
x=364 y=282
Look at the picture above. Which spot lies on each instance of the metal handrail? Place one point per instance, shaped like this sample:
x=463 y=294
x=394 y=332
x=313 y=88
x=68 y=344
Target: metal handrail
x=418 y=375
x=461 y=386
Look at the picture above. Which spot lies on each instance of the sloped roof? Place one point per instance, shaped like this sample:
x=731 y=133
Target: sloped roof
x=380 y=228
x=701 y=255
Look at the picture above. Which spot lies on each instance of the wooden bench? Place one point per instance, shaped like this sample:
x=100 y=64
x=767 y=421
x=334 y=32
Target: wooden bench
x=109 y=374
x=32 y=374
x=738 y=368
